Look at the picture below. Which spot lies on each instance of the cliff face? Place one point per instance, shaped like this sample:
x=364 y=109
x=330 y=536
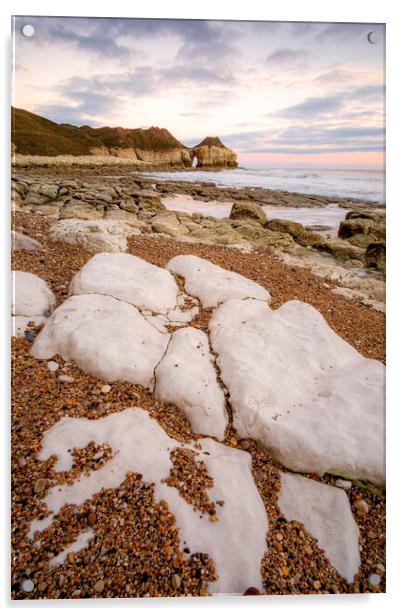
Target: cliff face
x=211 y=153
x=152 y=145
x=32 y=134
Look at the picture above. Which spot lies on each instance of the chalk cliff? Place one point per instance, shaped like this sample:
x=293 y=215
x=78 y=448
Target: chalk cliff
x=35 y=135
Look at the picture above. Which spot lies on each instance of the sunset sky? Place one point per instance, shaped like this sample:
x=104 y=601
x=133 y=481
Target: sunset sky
x=289 y=94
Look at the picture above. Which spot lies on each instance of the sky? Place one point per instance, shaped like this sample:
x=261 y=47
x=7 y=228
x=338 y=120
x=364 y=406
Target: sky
x=281 y=93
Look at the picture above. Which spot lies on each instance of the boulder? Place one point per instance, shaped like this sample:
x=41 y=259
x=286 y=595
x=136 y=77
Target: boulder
x=299 y=390
x=34 y=198
x=354 y=226
x=301 y=236
x=285 y=226
x=186 y=377
x=341 y=250
x=105 y=337
x=361 y=240
x=31 y=295
x=326 y=514
x=148 y=199
x=248 y=209
x=274 y=239
x=212 y=284
x=51 y=210
x=19 y=241
x=236 y=541
x=49 y=190
x=223 y=233
x=82 y=210
x=167 y=223
x=94 y=235
x=376 y=217
x=363 y=223
x=375 y=255
x=309 y=238
x=249 y=229
x=127 y=278
x=129 y=206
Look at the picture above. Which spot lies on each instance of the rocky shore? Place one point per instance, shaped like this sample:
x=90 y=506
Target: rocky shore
x=89 y=207
x=201 y=288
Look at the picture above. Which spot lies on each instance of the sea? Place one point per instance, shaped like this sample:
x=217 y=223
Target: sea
x=368 y=185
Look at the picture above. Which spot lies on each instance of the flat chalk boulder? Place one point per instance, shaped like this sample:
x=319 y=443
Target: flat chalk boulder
x=212 y=284
x=93 y=235
x=31 y=296
x=300 y=390
x=105 y=337
x=19 y=241
x=326 y=514
x=128 y=278
x=186 y=377
x=236 y=541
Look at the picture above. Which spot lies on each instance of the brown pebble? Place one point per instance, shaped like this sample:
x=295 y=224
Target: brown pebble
x=40 y=486
x=316 y=584
x=361 y=506
x=176 y=581
x=251 y=590
x=278 y=547
x=278 y=536
x=99 y=586
x=92 y=518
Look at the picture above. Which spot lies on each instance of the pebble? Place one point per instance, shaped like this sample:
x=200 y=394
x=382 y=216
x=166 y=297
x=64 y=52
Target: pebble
x=361 y=506
x=251 y=591
x=373 y=579
x=176 y=581
x=29 y=335
x=92 y=518
x=27 y=585
x=40 y=485
x=316 y=585
x=105 y=389
x=279 y=536
x=65 y=378
x=99 y=586
x=53 y=366
x=343 y=483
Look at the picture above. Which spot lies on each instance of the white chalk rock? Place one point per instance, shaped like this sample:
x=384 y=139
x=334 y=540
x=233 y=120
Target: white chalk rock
x=301 y=391
x=105 y=337
x=20 y=324
x=31 y=296
x=177 y=315
x=186 y=377
x=326 y=514
x=93 y=235
x=20 y=241
x=213 y=284
x=128 y=278
x=236 y=541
